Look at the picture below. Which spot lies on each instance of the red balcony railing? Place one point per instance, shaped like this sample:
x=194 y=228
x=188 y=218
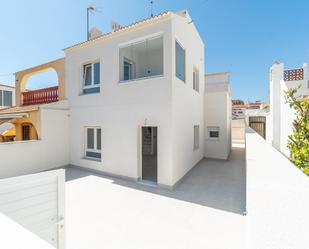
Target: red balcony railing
x=41 y=96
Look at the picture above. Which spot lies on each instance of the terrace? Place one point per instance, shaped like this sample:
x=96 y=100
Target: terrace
x=205 y=207
x=206 y=210
x=42 y=95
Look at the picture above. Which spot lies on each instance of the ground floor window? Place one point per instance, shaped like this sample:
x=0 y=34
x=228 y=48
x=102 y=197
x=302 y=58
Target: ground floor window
x=196 y=136
x=213 y=133
x=93 y=142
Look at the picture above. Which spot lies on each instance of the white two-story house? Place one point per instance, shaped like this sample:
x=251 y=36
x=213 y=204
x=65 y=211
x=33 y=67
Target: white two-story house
x=131 y=103
x=136 y=100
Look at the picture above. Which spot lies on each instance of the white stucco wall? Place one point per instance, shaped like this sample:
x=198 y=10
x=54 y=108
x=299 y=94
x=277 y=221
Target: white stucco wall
x=187 y=104
x=52 y=151
x=281 y=116
x=238 y=130
x=218 y=113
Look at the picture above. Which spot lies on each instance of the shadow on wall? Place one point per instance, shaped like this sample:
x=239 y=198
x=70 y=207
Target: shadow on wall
x=212 y=183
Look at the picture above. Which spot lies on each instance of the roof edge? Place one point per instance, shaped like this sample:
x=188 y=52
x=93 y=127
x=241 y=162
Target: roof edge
x=120 y=31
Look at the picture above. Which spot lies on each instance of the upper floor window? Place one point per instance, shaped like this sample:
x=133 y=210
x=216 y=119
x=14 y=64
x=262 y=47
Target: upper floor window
x=196 y=79
x=142 y=59
x=180 y=62
x=6 y=98
x=91 y=78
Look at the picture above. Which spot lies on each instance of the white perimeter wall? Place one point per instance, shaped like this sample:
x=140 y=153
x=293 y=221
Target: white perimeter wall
x=281 y=115
x=52 y=151
x=238 y=130
x=187 y=104
x=120 y=109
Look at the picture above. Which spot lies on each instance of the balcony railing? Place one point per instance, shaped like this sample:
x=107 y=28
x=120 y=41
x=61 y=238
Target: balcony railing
x=41 y=96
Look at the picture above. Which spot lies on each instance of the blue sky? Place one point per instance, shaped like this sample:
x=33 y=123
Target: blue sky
x=241 y=36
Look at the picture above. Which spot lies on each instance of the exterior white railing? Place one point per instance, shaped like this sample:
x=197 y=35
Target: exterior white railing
x=277 y=198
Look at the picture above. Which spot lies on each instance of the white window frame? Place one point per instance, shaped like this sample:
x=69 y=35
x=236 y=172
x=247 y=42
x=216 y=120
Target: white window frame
x=211 y=129
x=90 y=64
x=132 y=63
x=2 y=97
x=133 y=42
x=95 y=142
x=196 y=79
x=196 y=137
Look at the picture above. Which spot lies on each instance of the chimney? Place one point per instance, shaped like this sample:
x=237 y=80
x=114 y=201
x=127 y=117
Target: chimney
x=94 y=33
x=116 y=26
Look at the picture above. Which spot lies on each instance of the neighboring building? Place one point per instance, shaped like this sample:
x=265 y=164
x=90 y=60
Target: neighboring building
x=254 y=115
x=130 y=103
x=218 y=115
x=7 y=100
x=7 y=96
x=281 y=116
x=239 y=111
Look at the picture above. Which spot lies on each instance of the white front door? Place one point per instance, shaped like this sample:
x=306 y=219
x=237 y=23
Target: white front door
x=36 y=202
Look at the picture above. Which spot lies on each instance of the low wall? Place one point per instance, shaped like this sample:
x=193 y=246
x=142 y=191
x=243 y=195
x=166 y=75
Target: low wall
x=52 y=151
x=238 y=130
x=277 y=198
x=17 y=236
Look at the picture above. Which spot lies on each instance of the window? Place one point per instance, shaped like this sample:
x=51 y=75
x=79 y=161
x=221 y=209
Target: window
x=128 y=69
x=196 y=135
x=180 y=62
x=93 y=142
x=213 y=133
x=196 y=79
x=25 y=132
x=6 y=98
x=91 y=78
x=142 y=59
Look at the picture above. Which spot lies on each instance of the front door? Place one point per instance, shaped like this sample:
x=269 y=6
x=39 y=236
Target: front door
x=150 y=154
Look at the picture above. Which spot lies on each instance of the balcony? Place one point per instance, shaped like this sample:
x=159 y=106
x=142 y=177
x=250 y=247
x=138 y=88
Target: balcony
x=41 y=96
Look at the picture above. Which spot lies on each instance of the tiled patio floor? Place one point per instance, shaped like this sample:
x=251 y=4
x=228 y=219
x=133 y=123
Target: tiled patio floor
x=204 y=211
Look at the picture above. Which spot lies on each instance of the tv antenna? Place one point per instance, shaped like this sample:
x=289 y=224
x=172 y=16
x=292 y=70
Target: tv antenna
x=151 y=8
x=90 y=9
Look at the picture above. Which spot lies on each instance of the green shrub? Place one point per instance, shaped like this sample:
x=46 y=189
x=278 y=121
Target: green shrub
x=298 y=142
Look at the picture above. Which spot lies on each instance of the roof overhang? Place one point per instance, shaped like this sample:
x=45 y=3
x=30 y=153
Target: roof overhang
x=11 y=117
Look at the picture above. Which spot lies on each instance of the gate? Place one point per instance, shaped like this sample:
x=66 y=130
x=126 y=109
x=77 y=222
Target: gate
x=259 y=125
x=37 y=203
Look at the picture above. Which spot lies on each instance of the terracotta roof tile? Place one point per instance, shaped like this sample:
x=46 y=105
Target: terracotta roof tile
x=19 y=109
